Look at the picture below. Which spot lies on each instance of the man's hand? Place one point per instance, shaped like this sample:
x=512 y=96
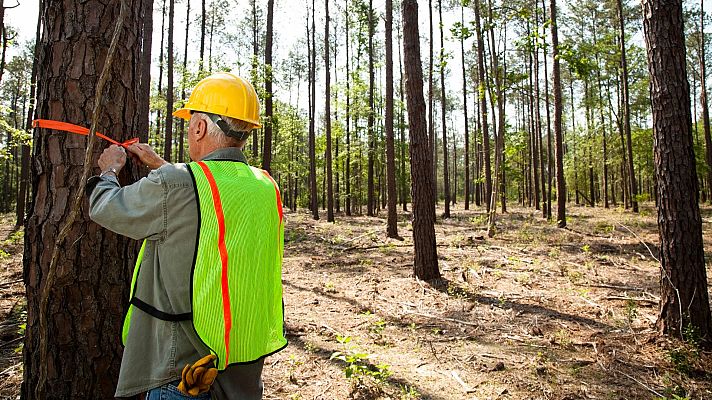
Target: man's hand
x=146 y=155
x=113 y=157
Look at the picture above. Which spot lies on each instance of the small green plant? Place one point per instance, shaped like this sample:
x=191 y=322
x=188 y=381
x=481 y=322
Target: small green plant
x=408 y=392
x=358 y=367
x=329 y=287
x=586 y=248
x=16 y=237
x=4 y=254
x=378 y=326
x=682 y=359
x=631 y=310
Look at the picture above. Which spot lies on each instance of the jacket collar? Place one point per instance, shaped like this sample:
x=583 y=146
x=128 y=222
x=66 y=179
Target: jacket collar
x=227 y=154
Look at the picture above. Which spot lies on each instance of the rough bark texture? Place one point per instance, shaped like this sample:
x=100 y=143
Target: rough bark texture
x=426 y=256
x=314 y=201
x=464 y=109
x=683 y=283
x=392 y=228
x=86 y=306
x=558 y=127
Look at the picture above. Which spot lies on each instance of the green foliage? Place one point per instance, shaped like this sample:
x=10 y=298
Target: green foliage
x=358 y=366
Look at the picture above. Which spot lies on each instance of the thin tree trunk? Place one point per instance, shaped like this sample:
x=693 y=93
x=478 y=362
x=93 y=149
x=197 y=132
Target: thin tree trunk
x=626 y=109
x=371 y=113
x=431 y=113
x=481 y=90
x=327 y=116
x=558 y=133
x=703 y=102
x=392 y=229
x=446 y=176
x=167 y=153
x=314 y=195
x=348 y=111
x=181 y=139
x=267 y=148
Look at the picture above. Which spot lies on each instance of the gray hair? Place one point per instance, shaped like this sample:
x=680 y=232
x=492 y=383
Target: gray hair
x=220 y=136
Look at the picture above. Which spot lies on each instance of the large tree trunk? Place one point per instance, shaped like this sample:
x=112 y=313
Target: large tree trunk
x=327 y=117
x=392 y=229
x=267 y=148
x=683 y=284
x=86 y=307
x=558 y=134
x=425 y=264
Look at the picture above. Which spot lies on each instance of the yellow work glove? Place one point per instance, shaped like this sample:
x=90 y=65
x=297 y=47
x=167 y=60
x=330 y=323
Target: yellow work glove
x=197 y=378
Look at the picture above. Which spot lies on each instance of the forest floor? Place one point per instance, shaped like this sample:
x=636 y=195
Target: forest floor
x=535 y=313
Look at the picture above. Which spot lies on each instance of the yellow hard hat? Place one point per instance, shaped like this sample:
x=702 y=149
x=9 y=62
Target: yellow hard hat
x=224 y=94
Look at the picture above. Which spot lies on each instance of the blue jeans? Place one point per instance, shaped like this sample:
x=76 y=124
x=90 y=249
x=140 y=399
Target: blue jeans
x=170 y=391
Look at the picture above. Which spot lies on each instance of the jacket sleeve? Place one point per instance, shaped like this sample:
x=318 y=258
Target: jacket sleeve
x=136 y=211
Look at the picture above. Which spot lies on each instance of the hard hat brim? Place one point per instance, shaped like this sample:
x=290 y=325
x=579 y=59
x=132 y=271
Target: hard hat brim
x=182 y=113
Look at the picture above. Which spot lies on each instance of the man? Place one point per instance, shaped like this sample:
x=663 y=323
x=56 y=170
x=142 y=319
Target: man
x=208 y=278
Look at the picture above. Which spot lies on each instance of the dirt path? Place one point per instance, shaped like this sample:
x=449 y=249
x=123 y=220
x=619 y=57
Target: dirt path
x=536 y=313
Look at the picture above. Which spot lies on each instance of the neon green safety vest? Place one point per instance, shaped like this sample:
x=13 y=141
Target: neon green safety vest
x=236 y=278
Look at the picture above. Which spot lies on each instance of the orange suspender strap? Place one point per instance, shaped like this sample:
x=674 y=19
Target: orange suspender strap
x=79 y=130
x=227 y=313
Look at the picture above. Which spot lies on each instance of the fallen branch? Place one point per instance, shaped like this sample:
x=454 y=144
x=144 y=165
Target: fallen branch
x=462 y=383
x=639 y=299
x=642 y=384
x=3 y=345
x=6 y=284
x=458 y=321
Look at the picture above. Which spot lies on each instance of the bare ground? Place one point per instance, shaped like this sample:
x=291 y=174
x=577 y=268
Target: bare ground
x=535 y=313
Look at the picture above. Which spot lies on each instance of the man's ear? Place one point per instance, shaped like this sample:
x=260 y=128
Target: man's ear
x=201 y=129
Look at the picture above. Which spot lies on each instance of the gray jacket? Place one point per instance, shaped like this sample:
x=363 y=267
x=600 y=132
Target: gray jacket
x=162 y=209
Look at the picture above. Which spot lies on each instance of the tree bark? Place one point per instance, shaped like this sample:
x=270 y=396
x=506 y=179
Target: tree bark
x=464 y=108
x=425 y=264
x=86 y=308
x=684 y=300
x=184 y=78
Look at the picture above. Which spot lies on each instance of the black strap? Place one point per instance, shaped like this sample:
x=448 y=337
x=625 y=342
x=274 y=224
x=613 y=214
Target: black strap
x=156 y=313
x=226 y=128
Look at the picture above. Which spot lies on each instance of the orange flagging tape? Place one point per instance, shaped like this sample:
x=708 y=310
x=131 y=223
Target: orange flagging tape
x=80 y=130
